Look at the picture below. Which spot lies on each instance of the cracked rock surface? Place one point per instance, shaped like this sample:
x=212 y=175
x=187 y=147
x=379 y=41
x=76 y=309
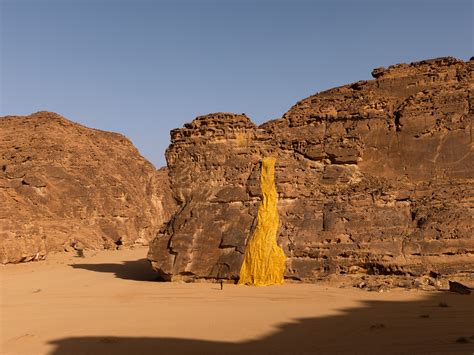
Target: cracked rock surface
x=64 y=185
x=375 y=177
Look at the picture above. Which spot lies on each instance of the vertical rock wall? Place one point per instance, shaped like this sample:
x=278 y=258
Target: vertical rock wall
x=376 y=177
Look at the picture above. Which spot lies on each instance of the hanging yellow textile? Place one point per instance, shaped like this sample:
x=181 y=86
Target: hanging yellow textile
x=264 y=260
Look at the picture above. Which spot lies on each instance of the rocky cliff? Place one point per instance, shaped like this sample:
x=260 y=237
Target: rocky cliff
x=64 y=185
x=375 y=177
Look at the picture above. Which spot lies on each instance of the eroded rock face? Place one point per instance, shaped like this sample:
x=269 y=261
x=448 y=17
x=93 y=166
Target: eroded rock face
x=63 y=183
x=373 y=177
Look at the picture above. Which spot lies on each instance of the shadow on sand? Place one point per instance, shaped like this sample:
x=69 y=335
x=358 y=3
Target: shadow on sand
x=137 y=270
x=442 y=323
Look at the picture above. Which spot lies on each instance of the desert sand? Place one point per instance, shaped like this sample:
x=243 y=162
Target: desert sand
x=110 y=303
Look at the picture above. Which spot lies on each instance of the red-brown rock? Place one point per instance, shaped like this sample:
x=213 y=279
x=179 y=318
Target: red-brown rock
x=376 y=176
x=64 y=184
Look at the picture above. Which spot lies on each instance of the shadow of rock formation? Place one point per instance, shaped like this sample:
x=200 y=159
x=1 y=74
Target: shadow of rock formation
x=137 y=270
x=441 y=324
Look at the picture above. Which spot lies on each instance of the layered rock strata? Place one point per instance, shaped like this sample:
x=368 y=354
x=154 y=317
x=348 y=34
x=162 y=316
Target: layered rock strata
x=375 y=177
x=64 y=185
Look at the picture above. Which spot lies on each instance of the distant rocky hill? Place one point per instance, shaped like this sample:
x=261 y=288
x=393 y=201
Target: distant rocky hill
x=63 y=185
x=375 y=177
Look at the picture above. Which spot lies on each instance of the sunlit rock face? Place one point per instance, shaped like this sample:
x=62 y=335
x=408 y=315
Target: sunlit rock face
x=63 y=185
x=373 y=177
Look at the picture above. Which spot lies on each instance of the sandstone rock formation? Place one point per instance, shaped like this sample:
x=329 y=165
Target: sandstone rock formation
x=375 y=177
x=63 y=184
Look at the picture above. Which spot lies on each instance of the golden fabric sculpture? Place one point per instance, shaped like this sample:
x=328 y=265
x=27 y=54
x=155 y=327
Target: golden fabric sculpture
x=264 y=260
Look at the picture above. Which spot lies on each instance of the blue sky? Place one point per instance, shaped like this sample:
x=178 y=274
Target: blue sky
x=142 y=67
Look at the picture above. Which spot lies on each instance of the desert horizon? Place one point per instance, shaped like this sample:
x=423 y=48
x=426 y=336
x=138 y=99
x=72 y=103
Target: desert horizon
x=80 y=292
x=223 y=177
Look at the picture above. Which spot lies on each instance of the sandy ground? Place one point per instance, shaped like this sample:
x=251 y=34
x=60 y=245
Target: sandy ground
x=108 y=303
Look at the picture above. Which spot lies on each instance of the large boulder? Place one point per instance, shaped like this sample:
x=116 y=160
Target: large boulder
x=374 y=176
x=63 y=185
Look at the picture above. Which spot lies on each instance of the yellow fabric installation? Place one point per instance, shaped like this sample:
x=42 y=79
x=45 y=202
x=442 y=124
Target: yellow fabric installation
x=264 y=260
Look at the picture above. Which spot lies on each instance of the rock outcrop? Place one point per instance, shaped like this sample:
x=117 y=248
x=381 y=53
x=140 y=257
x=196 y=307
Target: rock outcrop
x=63 y=185
x=375 y=177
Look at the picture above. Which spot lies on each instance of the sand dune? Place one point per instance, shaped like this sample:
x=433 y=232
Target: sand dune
x=109 y=303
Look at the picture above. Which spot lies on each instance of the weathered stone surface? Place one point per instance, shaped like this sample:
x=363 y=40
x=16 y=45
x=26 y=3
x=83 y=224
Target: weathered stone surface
x=61 y=182
x=376 y=176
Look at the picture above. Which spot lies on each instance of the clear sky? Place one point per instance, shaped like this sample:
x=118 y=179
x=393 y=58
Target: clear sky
x=142 y=67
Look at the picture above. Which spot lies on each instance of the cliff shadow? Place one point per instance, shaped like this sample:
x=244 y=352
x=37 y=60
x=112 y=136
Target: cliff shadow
x=441 y=323
x=137 y=270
